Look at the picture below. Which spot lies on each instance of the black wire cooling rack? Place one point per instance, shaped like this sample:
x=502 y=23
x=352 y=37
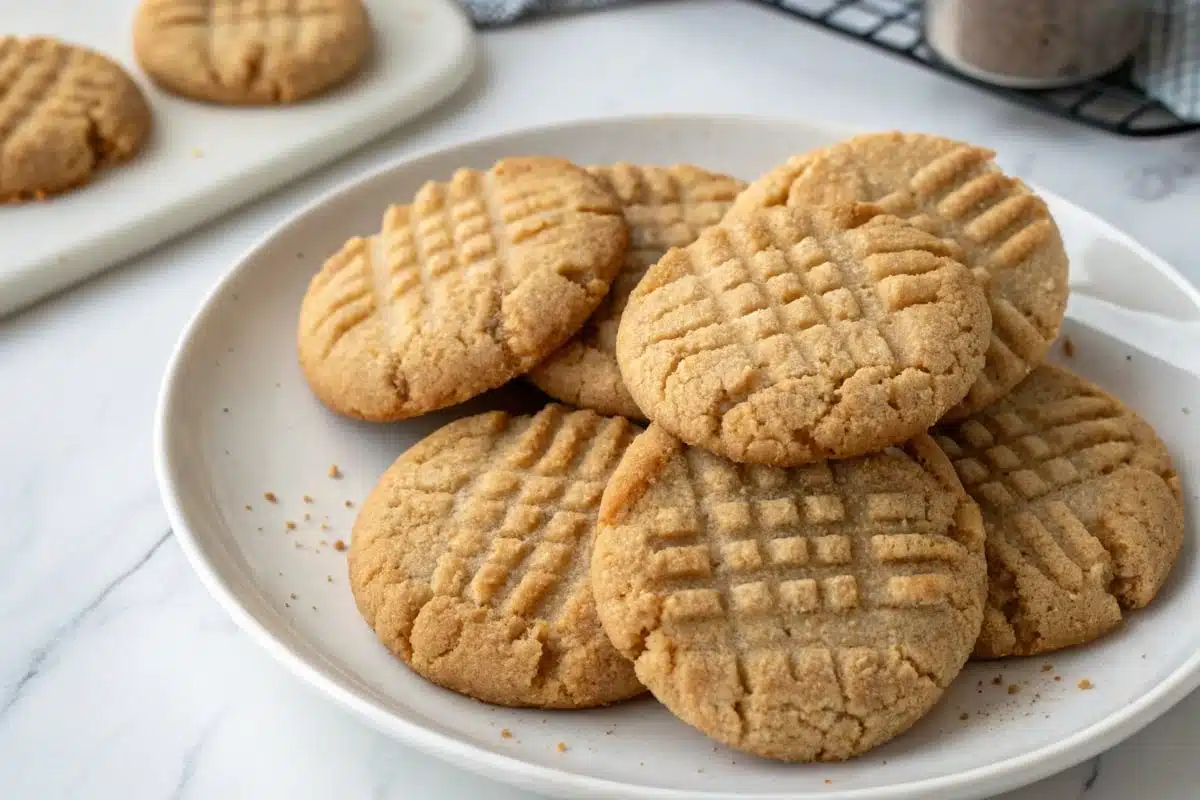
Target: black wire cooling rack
x=1111 y=103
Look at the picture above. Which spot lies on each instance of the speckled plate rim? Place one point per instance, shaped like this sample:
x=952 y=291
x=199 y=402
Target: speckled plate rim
x=980 y=782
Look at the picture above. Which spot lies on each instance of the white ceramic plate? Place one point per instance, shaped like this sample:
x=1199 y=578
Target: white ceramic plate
x=236 y=420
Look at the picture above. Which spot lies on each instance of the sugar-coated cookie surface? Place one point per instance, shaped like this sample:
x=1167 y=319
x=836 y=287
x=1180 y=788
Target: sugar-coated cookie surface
x=1082 y=507
x=1003 y=231
x=790 y=335
x=468 y=286
x=804 y=614
x=67 y=112
x=470 y=558
x=252 y=52
x=665 y=207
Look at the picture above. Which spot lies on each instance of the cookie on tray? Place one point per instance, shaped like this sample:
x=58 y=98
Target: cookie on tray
x=665 y=207
x=806 y=614
x=67 y=112
x=791 y=335
x=1002 y=231
x=470 y=285
x=470 y=558
x=1082 y=507
x=251 y=52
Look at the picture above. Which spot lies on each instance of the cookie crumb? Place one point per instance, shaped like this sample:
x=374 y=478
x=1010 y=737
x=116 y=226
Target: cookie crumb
x=1047 y=667
x=249 y=507
x=324 y=527
x=505 y=733
x=1085 y=684
x=270 y=497
x=349 y=504
x=561 y=747
x=1058 y=677
x=291 y=526
x=307 y=499
x=293 y=595
x=998 y=680
x=308 y=517
x=1013 y=688
x=226 y=410
x=828 y=782
x=287 y=605
x=339 y=545
x=964 y=716
x=314 y=608
x=334 y=472
x=1068 y=347
x=329 y=579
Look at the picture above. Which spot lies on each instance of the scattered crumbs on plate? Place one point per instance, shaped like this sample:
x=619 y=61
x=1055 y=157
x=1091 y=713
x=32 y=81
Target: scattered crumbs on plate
x=1068 y=347
x=1058 y=677
x=270 y=497
x=1013 y=688
x=964 y=716
x=339 y=545
x=505 y=733
x=307 y=499
x=1085 y=684
x=349 y=504
x=314 y=608
x=287 y=605
x=308 y=517
x=293 y=595
x=561 y=747
x=998 y=680
x=334 y=472
x=1047 y=667
x=828 y=782
x=249 y=507
x=980 y=684
x=291 y=526
x=225 y=410
x=329 y=579
x=324 y=526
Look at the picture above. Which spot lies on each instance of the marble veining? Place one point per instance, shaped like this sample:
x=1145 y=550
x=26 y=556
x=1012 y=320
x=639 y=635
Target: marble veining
x=121 y=678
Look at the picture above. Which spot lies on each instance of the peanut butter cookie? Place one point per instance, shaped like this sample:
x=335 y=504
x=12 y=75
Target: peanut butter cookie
x=65 y=112
x=251 y=52
x=470 y=559
x=665 y=207
x=469 y=286
x=806 y=614
x=1082 y=507
x=791 y=335
x=1003 y=231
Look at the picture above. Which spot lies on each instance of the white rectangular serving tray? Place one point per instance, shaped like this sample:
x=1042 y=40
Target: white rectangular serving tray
x=204 y=159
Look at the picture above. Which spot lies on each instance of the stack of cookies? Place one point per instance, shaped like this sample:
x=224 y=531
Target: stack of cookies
x=857 y=472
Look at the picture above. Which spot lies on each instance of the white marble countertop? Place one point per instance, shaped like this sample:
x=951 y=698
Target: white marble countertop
x=119 y=677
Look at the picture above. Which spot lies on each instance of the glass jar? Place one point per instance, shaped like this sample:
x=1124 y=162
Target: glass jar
x=1033 y=44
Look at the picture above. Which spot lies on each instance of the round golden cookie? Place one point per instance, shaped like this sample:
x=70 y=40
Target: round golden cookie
x=806 y=614
x=251 y=52
x=1082 y=507
x=1002 y=230
x=665 y=207
x=470 y=558
x=791 y=335
x=469 y=286
x=65 y=112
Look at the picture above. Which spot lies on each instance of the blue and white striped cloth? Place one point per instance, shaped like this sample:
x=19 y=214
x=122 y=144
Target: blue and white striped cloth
x=1167 y=66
